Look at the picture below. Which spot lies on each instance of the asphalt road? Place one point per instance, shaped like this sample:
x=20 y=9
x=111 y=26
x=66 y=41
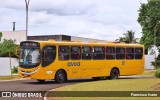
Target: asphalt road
x=33 y=85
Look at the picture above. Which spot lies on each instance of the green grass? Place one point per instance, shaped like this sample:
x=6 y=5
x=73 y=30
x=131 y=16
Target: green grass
x=148 y=73
x=9 y=77
x=157 y=73
x=144 y=84
x=114 y=85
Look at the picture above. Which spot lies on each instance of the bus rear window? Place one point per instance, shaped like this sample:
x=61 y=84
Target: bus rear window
x=138 y=53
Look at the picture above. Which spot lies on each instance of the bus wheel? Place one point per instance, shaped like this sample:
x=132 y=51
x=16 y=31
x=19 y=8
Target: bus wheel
x=114 y=74
x=41 y=81
x=96 y=78
x=60 y=76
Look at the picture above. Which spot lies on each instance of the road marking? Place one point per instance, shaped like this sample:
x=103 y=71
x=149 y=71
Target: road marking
x=45 y=95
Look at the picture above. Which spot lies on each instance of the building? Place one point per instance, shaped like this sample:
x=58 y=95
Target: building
x=62 y=38
x=18 y=36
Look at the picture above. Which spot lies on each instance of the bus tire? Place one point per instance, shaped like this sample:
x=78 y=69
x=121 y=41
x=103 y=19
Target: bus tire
x=60 y=76
x=114 y=74
x=96 y=78
x=41 y=81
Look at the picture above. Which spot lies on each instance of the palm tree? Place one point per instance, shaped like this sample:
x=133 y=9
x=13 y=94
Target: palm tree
x=128 y=36
x=121 y=39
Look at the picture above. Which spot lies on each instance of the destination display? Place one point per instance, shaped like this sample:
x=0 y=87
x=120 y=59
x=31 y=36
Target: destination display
x=29 y=44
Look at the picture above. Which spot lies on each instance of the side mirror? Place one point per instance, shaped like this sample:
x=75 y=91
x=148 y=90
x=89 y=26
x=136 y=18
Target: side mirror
x=17 y=52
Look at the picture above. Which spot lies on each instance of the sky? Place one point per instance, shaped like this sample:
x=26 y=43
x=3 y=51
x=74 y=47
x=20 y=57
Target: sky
x=98 y=19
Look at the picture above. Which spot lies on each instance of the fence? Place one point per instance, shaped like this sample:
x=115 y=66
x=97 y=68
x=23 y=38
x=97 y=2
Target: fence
x=5 y=65
x=148 y=60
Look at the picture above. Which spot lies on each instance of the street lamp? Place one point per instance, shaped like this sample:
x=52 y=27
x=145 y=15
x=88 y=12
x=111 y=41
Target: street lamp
x=27 y=4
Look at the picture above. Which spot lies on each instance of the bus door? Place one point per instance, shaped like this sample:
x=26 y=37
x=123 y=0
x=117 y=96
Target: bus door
x=48 y=55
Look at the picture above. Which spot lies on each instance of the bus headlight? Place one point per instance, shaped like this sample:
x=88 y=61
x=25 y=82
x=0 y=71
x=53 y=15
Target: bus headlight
x=29 y=73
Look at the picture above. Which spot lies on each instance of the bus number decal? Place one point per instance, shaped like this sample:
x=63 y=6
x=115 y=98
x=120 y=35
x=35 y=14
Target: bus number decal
x=73 y=64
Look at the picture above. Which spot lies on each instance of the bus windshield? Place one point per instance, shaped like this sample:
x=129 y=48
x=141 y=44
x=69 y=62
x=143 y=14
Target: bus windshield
x=29 y=57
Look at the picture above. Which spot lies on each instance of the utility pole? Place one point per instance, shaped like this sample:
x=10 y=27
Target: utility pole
x=10 y=63
x=14 y=23
x=27 y=4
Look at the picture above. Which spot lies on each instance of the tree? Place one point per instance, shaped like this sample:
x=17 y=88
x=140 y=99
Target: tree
x=7 y=46
x=149 y=19
x=7 y=49
x=128 y=36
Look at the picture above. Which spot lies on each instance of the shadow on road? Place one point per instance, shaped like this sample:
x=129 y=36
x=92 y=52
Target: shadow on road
x=73 y=81
x=53 y=82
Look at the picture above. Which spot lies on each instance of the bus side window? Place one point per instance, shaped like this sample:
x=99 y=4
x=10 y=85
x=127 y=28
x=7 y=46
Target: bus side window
x=120 y=53
x=138 y=53
x=86 y=52
x=129 y=53
x=99 y=53
x=48 y=55
x=75 y=52
x=110 y=53
x=63 y=53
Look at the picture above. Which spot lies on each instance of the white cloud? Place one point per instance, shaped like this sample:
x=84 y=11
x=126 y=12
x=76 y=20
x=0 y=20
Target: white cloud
x=101 y=19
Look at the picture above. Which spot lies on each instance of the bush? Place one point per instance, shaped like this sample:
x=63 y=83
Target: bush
x=15 y=70
x=157 y=64
x=157 y=73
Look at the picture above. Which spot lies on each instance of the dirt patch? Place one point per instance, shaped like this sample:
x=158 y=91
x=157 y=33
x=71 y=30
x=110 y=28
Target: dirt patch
x=151 y=71
x=156 y=86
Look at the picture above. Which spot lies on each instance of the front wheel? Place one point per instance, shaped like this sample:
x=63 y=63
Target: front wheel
x=60 y=77
x=114 y=74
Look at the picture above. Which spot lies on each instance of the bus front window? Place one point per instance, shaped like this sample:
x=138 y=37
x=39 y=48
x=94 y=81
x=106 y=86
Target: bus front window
x=29 y=57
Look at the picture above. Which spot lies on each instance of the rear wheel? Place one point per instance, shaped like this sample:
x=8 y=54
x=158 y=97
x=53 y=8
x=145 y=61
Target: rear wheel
x=114 y=74
x=60 y=76
x=41 y=81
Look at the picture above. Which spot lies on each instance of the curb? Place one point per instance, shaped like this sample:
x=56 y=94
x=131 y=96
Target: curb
x=13 y=80
x=45 y=98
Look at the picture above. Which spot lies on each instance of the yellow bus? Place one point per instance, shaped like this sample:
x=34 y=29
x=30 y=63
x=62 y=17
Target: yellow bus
x=60 y=61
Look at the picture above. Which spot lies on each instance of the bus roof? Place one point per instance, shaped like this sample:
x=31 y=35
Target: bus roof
x=93 y=43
